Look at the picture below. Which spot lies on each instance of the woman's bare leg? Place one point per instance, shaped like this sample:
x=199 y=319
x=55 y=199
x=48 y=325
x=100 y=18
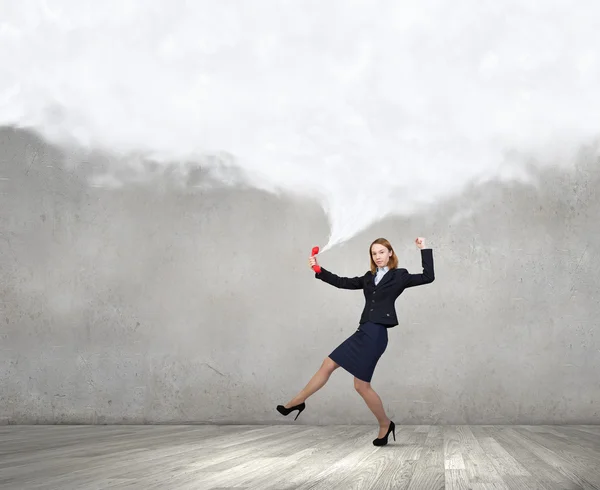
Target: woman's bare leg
x=374 y=403
x=316 y=382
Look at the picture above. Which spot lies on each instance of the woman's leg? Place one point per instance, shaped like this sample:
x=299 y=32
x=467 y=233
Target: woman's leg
x=374 y=403
x=316 y=382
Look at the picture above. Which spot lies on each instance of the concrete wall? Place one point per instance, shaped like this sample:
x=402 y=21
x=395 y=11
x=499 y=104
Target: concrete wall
x=158 y=303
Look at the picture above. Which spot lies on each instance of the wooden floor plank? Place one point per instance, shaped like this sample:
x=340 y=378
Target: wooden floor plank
x=430 y=470
x=479 y=467
x=578 y=467
x=298 y=457
x=539 y=474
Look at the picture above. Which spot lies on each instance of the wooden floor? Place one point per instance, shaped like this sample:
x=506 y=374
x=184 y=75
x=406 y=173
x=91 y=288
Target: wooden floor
x=299 y=457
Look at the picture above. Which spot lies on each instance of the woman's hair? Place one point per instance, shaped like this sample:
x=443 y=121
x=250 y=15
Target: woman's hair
x=392 y=264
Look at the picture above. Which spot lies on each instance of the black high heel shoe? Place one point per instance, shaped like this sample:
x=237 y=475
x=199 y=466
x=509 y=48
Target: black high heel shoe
x=285 y=411
x=384 y=440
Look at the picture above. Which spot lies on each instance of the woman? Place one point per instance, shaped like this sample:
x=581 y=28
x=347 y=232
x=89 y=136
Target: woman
x=360 y=352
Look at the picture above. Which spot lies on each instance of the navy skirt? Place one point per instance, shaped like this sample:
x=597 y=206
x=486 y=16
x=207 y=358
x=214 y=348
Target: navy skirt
x=360 y=352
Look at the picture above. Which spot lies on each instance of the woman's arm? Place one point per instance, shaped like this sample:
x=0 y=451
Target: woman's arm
x=335 y=280
x=428 y=275
x=340 y=282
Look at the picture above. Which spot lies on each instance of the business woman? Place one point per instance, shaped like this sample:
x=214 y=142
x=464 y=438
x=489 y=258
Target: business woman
x=360 y=352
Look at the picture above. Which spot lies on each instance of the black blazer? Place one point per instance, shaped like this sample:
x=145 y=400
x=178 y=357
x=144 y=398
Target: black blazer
x=380 y=300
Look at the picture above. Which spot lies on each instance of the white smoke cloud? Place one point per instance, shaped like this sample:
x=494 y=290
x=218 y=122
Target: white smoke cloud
x=372 y=107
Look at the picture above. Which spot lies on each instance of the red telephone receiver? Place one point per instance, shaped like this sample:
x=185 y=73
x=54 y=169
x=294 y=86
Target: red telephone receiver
x=316 y=267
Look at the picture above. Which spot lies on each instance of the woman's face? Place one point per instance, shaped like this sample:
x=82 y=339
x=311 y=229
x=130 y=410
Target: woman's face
x=381 y=255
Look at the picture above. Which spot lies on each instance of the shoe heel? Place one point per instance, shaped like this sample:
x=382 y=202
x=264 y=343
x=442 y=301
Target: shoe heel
x=286 y=411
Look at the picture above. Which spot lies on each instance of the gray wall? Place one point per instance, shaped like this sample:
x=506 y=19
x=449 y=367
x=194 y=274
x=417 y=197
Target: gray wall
x=156 y=302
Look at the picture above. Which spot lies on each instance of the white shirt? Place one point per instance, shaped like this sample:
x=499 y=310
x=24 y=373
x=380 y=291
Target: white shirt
x=380 y=273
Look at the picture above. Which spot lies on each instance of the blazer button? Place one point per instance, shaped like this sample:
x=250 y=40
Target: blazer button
x=388 y=314
x=372 y=310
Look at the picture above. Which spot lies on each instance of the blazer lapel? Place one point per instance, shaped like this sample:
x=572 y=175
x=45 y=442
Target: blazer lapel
x=386 y=277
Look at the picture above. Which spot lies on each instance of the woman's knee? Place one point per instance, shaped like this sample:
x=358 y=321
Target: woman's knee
x=361 y=386
x=329 y=365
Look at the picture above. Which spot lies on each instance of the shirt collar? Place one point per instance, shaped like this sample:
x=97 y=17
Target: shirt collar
x=383 y=269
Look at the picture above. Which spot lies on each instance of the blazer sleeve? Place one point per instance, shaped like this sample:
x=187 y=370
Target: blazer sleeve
x=357 y=282
x=427 y=276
